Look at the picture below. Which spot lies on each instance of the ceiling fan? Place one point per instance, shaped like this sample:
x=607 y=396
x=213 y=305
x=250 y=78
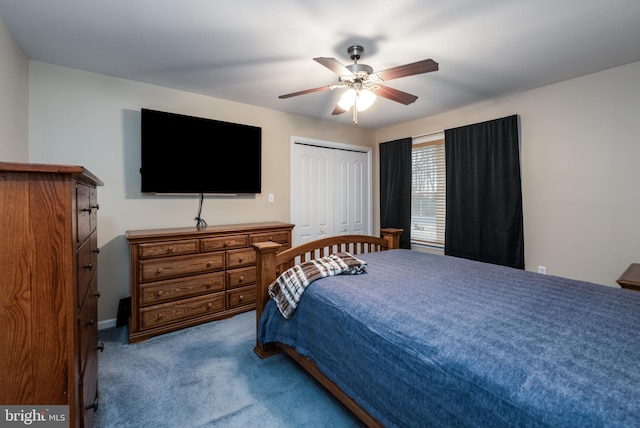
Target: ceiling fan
x=364 y=84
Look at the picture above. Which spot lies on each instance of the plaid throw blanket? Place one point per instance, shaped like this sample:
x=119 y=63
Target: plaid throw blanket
x=288 y=288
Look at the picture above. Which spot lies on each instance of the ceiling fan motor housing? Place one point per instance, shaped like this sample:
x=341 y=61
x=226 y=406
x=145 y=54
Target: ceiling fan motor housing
x=360 y=69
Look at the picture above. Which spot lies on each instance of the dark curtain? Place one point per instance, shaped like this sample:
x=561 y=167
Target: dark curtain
x=395 y=187
x=484 y=196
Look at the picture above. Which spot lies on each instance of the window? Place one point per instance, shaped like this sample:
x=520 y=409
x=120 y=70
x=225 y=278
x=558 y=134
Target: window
x=428 y=191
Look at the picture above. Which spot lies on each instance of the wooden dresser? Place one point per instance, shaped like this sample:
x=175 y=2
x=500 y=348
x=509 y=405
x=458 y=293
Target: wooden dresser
x=186 y=276
x=48 y=288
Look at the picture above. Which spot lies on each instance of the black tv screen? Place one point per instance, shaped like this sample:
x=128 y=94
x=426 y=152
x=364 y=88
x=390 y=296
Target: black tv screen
x=192 y=155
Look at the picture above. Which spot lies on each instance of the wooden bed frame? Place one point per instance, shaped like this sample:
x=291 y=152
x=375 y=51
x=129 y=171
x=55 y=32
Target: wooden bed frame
x=270 y=264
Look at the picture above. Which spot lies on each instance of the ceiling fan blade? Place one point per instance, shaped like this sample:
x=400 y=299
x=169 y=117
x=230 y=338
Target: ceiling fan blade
x=337 y=110
x=334 y=65
x=424 y=66
x=395 y=95
x=308 y=91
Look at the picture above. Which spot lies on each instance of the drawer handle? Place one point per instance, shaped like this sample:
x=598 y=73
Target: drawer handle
x=97 y=294
x=170 y=250
x=240 y=298
x=209 y=305
x=271 y=238
x=158 y=271
x=97 y=250
x=100 y=347
x=90 y=323
x=241 y=279
x=91 y=208
x=88 y=266
x=209 y=264
x=93 y=405
x=208 y=285
x=160 y=293
x=240 y=259
x=226 y=244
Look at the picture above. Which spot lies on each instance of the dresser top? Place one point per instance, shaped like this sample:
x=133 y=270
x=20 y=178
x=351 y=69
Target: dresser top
x=135 y=235
x=631 y=276
x=50 y=168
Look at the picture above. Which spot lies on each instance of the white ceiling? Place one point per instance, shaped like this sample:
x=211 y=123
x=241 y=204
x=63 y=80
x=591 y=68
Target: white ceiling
x=252 y=51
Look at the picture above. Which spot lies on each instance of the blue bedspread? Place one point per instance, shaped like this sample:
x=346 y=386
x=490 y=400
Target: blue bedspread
x=430 y=340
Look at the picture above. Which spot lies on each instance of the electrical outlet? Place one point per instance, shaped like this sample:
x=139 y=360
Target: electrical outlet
x=271 y=198
x=542 y=269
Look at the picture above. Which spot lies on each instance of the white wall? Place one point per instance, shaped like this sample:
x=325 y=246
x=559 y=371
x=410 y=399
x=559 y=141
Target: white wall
x=14 y=107
x=580 y=153
x=93 y=120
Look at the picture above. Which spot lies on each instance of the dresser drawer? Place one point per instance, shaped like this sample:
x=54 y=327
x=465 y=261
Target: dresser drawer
x=170 y=248
x=93 y=206
x=167 y=313
x=88 y=326
x=241 y=297
x=86 y=210
x=83 y=211
x=88 y=387
x=153 y=293
x=224 y=243
x=279 y=237
x=241 y=277
x=239 y=258
x=169 y=267
x=86 y=265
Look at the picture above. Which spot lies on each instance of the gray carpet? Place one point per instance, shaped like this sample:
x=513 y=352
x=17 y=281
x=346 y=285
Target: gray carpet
x=208 y=376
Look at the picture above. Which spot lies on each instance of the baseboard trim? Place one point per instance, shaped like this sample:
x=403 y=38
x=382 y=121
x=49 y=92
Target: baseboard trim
x=102 y=325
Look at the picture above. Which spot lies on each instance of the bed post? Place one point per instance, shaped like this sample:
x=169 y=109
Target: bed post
x=265 y=275
x=392 y=236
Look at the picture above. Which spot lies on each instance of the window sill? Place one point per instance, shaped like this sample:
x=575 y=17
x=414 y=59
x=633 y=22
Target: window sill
x=427 y=248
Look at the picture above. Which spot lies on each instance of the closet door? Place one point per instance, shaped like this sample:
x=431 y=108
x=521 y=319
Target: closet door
x=351 y=216
x=312 y=193
x=331 y=192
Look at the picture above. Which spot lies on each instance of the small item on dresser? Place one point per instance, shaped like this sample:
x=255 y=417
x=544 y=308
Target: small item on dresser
x=631 y=277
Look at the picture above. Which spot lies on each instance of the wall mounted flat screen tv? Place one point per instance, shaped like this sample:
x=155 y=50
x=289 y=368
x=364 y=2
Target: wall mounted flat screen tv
x=192 y=155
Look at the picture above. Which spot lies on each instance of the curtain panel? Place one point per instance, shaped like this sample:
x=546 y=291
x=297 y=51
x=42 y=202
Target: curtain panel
x=484 y=197
x=395 y=187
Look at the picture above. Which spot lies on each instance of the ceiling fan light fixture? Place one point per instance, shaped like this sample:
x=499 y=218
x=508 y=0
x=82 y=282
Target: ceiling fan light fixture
x=361 y=99
x=347 y=99
x=365 y=99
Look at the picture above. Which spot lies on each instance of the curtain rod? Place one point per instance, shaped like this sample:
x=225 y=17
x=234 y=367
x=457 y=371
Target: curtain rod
x=427 y=134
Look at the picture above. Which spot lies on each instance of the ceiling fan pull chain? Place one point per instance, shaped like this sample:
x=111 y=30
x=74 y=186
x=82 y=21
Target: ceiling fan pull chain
x=355 y=111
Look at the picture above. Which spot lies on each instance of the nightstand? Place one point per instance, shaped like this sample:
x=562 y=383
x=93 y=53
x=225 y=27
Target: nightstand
x=631 y=277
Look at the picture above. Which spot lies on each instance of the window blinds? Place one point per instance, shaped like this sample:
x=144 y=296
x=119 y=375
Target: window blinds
x=428 y=192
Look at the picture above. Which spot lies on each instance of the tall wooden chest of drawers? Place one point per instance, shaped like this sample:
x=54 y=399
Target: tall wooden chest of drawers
x=48 y=288
x=186 y=276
